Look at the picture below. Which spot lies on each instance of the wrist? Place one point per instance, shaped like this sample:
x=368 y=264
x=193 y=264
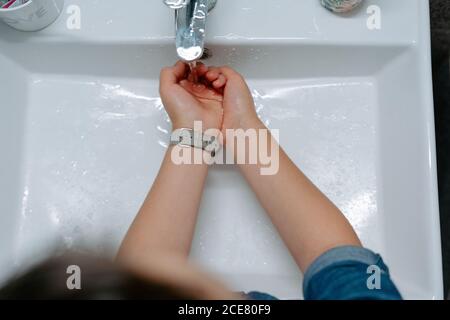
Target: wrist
x=245 y=123
x=254 y=123
x=198 y=126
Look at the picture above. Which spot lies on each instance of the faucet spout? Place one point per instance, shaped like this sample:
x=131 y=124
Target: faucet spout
x=190 y=27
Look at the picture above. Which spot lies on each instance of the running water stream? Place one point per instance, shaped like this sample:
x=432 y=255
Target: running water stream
x=193 y=69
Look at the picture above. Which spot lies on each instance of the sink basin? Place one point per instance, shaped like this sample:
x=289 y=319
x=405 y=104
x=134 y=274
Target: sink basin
x=83 y=132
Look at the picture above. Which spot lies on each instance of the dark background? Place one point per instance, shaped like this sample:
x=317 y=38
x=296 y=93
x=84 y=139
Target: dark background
x=440 y=42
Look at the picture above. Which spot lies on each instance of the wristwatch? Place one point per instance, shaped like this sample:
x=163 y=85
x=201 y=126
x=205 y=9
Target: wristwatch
x=185 y=137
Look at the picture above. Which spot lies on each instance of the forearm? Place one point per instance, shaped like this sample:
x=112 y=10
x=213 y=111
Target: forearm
x=308 y=222
x=167 y=219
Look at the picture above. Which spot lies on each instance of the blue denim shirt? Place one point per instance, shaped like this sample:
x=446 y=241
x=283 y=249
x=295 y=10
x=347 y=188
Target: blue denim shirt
x=345 y=273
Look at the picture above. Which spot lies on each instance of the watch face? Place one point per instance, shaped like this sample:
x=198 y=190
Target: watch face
x=210 y=143
x=181 y=137
x=185 y=137
x=189 y=138
x=213 y=147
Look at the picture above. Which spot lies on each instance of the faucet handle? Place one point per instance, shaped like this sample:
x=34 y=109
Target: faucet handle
x=177 y=4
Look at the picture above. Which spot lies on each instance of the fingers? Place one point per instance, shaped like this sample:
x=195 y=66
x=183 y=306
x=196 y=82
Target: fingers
x=212 y=74
x=219 y=76
x=179 y=70
x=201 y=69
x=229 y=72
x=172 y=75
x=197 y=73
x=216 y=78
x=220 y=82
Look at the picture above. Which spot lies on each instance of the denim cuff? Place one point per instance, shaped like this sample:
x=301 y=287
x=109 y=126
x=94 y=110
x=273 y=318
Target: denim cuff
x=341 y=254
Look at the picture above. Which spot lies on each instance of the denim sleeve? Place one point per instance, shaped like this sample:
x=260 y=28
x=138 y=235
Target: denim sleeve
x=349 y=273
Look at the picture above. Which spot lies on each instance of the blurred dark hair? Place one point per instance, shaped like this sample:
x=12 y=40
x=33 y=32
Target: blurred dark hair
x=101 y=279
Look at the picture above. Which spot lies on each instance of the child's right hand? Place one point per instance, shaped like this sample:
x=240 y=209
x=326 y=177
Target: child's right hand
x=238 y=105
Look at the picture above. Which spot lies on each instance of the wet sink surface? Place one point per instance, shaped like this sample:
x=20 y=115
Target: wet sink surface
x=83 y=133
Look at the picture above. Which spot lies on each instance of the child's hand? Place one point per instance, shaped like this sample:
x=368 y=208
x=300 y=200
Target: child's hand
x=238 y=104
x=186 y=102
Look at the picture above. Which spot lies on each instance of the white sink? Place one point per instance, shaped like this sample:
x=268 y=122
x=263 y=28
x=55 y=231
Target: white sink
x=83 y=132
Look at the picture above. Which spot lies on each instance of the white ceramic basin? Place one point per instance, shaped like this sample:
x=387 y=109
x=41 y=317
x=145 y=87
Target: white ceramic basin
x=83 y=131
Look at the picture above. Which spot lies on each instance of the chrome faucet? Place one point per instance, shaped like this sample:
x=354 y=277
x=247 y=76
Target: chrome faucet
x=190 y=26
